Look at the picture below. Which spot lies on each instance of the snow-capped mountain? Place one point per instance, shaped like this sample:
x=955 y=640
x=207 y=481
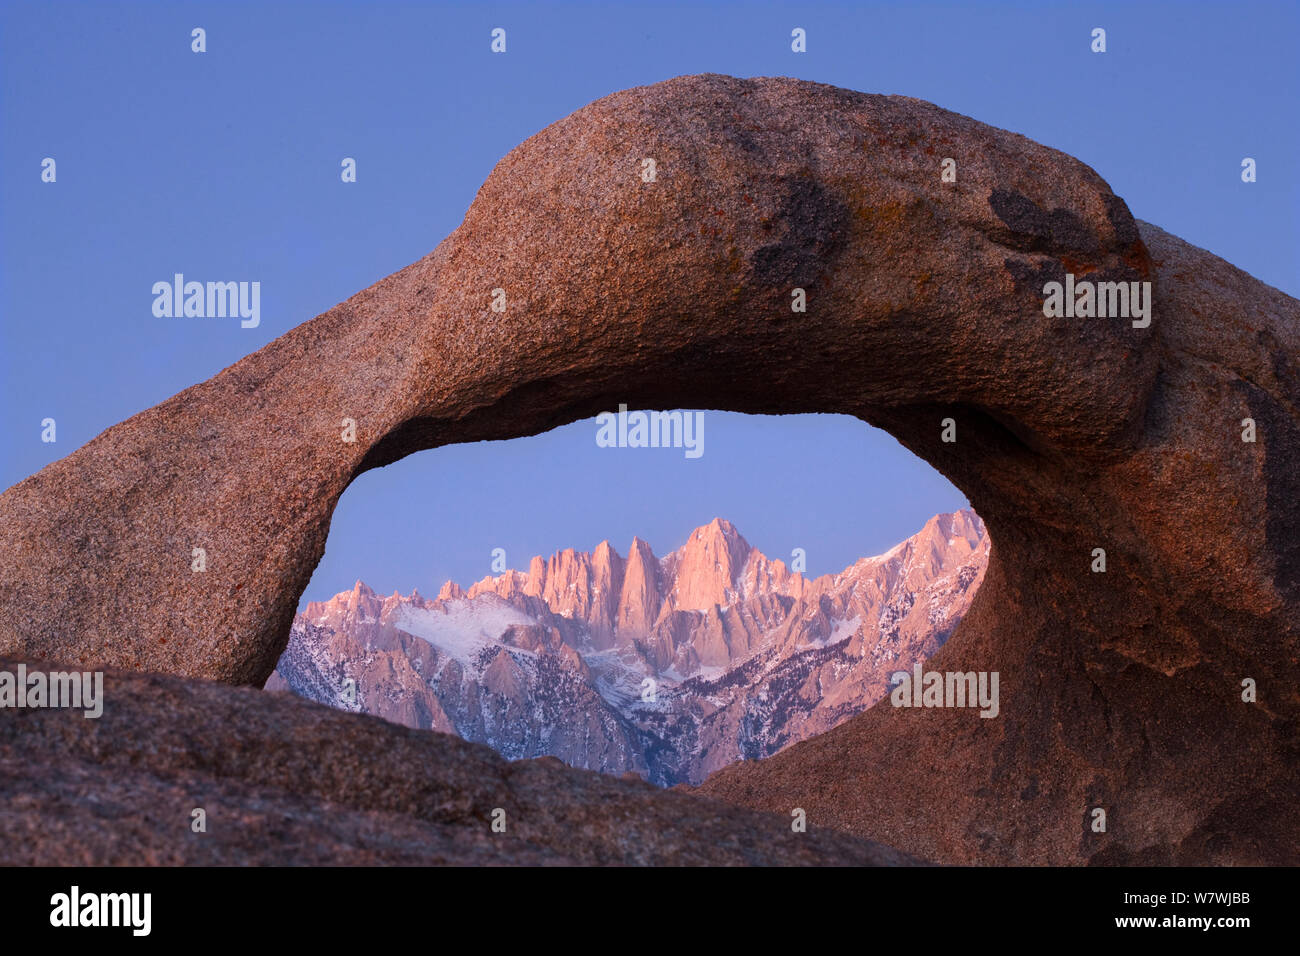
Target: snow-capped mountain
x=668 y=668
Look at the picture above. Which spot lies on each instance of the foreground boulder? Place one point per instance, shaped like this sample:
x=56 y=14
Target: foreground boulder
x=280 y=780
x=1121 y=690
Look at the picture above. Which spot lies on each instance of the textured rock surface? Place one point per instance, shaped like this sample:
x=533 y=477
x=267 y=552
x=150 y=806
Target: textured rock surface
x=924 y=302
x=286 y=781
x=1120 y=690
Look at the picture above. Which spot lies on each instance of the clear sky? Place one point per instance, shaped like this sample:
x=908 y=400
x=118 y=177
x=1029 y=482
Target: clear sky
x=225 y=165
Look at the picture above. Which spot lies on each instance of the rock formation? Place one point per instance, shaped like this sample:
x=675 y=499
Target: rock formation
x=1121 y=690
x=744 y=657
x=283 y=781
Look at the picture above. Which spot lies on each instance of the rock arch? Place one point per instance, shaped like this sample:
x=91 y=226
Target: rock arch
x=924 y=298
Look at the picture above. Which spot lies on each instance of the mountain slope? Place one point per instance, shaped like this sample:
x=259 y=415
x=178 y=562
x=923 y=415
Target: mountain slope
x=667 y=668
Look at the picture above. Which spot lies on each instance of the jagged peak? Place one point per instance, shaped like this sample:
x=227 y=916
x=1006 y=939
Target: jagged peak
x=718 y=558
x=719 y=529
x=640 y=550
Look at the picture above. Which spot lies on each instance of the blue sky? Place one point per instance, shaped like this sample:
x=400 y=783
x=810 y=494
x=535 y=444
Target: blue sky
x=225 y=165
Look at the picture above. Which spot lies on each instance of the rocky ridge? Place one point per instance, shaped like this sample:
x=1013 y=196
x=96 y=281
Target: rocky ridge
x=712 y=654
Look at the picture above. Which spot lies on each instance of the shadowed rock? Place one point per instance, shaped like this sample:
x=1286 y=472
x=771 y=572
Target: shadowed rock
x=1119 y=690
x=285 y=781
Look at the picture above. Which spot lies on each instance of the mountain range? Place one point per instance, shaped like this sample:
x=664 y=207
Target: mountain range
x=668 y=668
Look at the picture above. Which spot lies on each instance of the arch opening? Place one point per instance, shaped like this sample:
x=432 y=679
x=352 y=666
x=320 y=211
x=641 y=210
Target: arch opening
x=656 y=594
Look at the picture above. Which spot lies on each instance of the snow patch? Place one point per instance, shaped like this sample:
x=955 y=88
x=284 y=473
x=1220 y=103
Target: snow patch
x=839 y=632
x=466 y=627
